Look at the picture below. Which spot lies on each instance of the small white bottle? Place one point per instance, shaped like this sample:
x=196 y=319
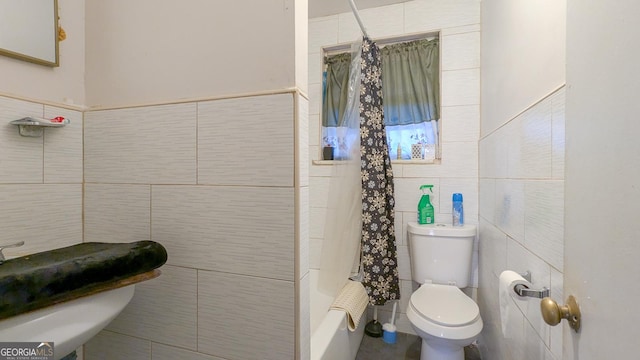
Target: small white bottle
x=399 y=152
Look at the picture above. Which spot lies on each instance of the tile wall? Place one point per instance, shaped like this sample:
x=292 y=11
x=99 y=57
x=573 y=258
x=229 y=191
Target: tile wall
x=40 y=179
x=459 y=25
x=522 y=226
x=210 y=181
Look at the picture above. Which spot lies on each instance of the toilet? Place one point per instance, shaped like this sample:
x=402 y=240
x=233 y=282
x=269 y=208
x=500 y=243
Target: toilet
x=444 y=317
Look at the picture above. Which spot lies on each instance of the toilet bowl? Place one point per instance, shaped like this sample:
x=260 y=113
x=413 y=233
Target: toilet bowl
x=446 y=319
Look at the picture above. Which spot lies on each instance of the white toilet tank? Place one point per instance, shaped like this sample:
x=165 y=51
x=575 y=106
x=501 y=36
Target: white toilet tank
x=441 y=253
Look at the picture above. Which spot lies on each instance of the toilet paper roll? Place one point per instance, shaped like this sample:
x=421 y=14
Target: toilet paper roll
x=508 y=280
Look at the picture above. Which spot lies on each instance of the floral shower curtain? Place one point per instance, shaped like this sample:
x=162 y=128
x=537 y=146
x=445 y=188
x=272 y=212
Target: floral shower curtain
x=379 y=264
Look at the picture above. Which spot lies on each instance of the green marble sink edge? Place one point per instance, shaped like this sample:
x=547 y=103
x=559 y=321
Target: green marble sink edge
x=38 y=280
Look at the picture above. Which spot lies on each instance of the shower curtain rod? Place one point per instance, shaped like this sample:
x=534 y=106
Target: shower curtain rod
x=357 y=15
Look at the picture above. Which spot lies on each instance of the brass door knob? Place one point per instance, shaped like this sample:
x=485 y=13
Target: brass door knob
x=552 y=313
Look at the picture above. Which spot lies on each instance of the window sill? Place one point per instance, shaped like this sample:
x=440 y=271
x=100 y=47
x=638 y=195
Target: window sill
x=398 y=162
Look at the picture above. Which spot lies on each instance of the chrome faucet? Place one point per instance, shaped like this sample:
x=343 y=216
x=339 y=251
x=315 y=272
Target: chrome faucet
x=2 y=247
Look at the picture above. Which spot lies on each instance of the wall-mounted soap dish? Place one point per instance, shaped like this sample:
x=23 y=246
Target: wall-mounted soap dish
x=34 y=127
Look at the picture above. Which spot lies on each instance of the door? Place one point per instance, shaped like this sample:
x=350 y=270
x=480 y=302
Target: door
x=602 y=195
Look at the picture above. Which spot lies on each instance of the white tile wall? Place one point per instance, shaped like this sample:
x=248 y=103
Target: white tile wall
x=460 y=123
x=469 y=190
x=494 y=152
x=530 y=150
x=247 y=141
x=111 y=346
x=317 y=218
x=487 y=196
x=243 y=317
x=304 y=318
x=163 y=309
x=315 y=99
x=315 y=67
x=21 y=157
x=460 y=87
x=461 y=51
x=164 y=352
x=459 y=25
x=488 y=294
x=510 y=207
x=302 y=141
x=421 y=16
x=522 y=225
x=156 y=172
x=44 y=216
x=380 y=22
x=459 y=159
x=40 y=181
x=544 y=220
x=323 y=31
x=408 y=193
x=399 y=227
x=117 y=213
x=314 y=135
x=514 y=333
x=303 y=314
x=404 y=264
x=557 y=134
x=146 y=145
x=520 y=259
x=303 y=232
x=319 y=196
x=63 y=147
x=242 y=230
x=493 y=251
x=557 y=293
x=315 y=252
x=460 y=29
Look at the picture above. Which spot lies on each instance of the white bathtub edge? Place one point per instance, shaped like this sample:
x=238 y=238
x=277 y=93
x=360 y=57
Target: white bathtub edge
x=332 y=340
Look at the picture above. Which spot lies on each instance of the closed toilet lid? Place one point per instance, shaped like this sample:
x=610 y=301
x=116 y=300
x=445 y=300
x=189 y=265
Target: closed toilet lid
x=444 y=304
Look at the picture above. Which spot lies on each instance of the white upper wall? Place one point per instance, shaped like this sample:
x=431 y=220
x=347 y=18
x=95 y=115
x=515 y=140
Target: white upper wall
x=318 y=8
x=63 y=84
x=302 y=43
x=150 y=51
x=523 y=56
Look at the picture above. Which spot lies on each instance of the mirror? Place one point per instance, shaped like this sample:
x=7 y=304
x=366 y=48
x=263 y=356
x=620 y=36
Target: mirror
x=29 y=30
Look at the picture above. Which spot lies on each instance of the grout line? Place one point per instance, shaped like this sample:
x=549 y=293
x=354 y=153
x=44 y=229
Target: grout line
x=196 y=142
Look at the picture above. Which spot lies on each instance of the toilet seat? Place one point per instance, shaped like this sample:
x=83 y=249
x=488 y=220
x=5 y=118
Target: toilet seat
x=444 y=311
x=444 y=305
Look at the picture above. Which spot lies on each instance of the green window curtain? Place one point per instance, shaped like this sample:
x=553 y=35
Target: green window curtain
x=336 y=89
x=410 y=82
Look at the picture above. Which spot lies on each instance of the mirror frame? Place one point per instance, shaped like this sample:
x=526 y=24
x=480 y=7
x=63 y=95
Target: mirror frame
x=33 y=59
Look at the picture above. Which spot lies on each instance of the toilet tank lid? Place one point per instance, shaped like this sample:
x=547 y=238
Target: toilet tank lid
x=442 y=230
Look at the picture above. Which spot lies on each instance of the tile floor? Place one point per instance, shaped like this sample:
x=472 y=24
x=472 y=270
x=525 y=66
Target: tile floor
x=407 y=347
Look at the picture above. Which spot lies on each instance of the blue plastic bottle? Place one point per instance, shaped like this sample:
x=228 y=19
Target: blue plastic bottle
x=457 y=210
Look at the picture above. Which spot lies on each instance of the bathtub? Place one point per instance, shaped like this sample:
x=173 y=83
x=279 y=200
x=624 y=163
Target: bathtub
x=331 y=338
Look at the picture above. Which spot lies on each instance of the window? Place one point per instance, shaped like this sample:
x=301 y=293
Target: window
x=411 y=98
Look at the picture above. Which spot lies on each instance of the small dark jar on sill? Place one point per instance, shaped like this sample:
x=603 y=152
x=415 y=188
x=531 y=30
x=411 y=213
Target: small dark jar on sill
x=327 y=153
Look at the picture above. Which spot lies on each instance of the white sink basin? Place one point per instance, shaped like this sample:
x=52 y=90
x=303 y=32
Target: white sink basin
x=70 y=324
